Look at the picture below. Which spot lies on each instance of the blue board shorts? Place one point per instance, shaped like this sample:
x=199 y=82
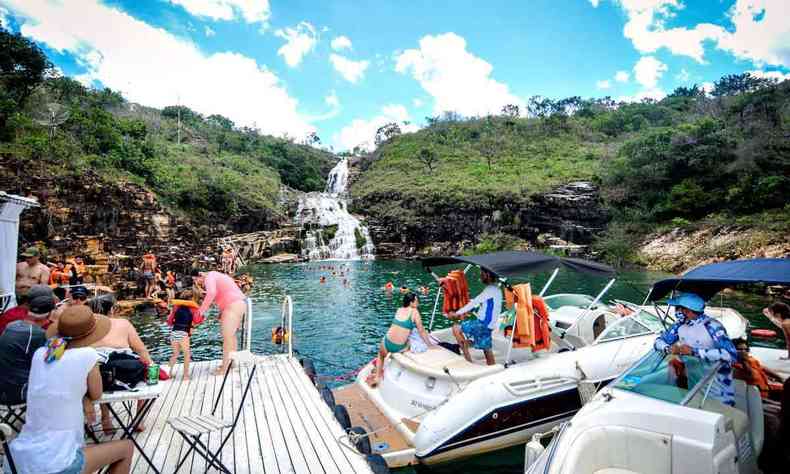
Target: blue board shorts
x=477 y=331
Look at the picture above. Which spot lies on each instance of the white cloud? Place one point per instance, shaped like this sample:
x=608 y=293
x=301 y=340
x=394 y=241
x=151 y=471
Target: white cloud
x=362 y=133
x=622 y=76
x=209 y=32
x=299 y=41
x=457 y=80
x=595 y=3
x=340 y=43
x=153 y=67
x=762 y=32
x=417 y=102
x=708 y=87
x=332 y=100
x=777 y=75
x=683 y=76
x=759 y=30
x=605 y=84
x=351 y=70
x=251 y=11
x=648 y=70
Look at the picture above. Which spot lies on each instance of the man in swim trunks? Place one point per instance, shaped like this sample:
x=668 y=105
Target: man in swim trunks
x=220 y=288
x=31 y=271
x=148 y=268
x=479 y=328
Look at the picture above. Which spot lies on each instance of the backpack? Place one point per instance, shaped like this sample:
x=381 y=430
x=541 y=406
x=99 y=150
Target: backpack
x=122 y=371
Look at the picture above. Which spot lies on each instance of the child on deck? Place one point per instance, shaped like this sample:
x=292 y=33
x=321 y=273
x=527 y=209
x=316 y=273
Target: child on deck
x=183 y=317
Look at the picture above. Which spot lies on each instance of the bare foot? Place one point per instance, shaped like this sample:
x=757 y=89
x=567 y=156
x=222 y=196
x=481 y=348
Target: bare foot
x=140 y=428
x=185 y=378
x=219 y=371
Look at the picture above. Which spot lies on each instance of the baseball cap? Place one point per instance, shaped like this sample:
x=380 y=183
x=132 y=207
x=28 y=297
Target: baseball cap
x=40 y=299
x=688 y=300
x=79 y=291
x=31 y=252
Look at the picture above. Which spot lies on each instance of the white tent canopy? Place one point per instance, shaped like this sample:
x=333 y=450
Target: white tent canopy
x=10 y=208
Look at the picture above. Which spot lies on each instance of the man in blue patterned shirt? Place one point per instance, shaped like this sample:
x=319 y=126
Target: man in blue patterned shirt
x=697 y=334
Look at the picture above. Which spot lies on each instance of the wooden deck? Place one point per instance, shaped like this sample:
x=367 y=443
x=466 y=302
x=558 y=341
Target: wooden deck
x=285 y=426
x=385 y=439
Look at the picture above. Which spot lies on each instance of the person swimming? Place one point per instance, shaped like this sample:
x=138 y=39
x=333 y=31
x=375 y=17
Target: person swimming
x=389 y=286
x=323 y=279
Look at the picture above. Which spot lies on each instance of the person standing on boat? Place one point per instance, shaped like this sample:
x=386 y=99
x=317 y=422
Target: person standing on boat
x=221 y=289
x=698 y=335
x=479 y=328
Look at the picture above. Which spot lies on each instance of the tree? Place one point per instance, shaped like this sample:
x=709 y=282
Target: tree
x=734 y=84
x=387 y=131
x=23 y=66
x=428 y=157
x=312 y=139
x=511 y=110
x=220 y=121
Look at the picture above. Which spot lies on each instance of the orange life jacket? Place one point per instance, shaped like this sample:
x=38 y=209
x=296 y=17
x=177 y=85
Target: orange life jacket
x=532 y=319
x=756 y=376
x=455 y=290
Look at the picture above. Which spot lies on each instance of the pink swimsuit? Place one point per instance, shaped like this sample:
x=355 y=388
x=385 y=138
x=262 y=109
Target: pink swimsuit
x=222 y=290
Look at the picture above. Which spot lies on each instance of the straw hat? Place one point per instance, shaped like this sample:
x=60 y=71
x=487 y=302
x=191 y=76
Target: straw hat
x=80 y=326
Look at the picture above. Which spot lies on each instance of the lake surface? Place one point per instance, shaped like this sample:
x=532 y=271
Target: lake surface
x=338 y=324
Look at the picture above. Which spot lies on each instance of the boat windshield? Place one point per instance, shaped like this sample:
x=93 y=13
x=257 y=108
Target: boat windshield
x=673 y=379
x=576 y=300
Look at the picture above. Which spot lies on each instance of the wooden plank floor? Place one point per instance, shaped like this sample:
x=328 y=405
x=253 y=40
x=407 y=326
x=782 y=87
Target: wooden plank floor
x=285 y=426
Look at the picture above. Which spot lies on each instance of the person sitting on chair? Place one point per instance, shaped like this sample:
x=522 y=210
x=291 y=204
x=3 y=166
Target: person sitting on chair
x=479 y=328
x=62 y=373
x=19 y=341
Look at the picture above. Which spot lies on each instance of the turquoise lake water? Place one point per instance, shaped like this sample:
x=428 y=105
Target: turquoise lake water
x=339 y=325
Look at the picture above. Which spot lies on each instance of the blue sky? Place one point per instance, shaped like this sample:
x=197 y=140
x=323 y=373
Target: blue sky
x=344 y=68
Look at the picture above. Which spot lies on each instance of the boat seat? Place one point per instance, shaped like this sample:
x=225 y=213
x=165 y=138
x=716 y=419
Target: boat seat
x=433 y=361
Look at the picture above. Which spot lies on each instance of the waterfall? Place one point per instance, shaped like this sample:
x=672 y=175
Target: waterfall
x=331 y=232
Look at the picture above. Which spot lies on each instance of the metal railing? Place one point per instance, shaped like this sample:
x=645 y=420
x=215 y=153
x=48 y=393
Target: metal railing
x=287 y=313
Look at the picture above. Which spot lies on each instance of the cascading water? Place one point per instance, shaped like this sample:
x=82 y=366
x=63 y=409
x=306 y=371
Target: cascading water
x=331 y=232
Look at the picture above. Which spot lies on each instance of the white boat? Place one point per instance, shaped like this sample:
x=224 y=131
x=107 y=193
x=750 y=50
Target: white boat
x=644 y=423
x=647 y=422
x=435 y=406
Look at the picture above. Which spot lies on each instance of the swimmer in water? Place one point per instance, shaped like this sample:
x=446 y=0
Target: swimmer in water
x=389 y=287
x=323 y=279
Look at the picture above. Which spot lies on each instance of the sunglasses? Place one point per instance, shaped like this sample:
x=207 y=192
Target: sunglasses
x=79 y=297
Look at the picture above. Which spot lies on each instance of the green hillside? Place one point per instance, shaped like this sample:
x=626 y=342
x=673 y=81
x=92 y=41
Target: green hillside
x=203 y=166
x=689 y=157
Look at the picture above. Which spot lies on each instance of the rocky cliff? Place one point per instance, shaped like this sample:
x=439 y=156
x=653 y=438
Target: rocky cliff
x=441 y=224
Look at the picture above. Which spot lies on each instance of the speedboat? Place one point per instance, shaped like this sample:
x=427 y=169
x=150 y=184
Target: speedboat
x=435 y=406
x=649 y=420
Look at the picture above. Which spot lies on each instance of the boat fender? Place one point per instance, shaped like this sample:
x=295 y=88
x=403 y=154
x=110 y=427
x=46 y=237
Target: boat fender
x=309 y=369
x=377 y=464
x=361 y=440
x=763 y=333
x=326 y=394
x=532 y=452
x=341 y=415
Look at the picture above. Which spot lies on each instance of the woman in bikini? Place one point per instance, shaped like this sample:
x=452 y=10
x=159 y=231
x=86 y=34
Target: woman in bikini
x=397 y=339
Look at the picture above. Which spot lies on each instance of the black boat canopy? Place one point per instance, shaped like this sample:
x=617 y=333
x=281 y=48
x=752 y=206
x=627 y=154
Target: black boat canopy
x=708 y=280
x=513 y=264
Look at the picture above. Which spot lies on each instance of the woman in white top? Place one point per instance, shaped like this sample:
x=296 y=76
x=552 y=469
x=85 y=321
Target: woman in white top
x=62 y=373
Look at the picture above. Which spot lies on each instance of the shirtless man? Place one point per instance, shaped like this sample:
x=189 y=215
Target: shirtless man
x=122 y=336
x=148 y=268
x=31 y=271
